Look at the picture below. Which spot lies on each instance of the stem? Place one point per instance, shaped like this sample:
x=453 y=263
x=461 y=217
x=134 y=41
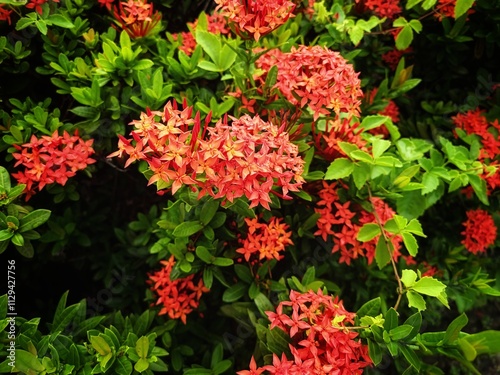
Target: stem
x=389 y=245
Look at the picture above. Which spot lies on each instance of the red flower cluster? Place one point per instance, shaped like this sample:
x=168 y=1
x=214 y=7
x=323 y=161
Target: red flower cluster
x=5 y=14
x=136 y=17
x=480 y=231
x=342 y=223
x=179 y=297
x=252 y=19
x=321 y=78
x=51 y=159
x=383 y=8
x=265 y=240
x=321 y=340
x=247 y=158
x=216 y=24
x=474 y=122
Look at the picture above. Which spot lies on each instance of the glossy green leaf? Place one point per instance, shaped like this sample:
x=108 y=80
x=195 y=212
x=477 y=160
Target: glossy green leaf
x=339 y=168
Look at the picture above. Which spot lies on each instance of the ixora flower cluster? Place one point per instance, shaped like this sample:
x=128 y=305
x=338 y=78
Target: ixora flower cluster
x=322 y=342
x=253 y=19
x=341 y=222
x=480 y=231
x=51 y=159
x=320 y=77
x=177 y=297
x=249 y=157
x=265 y=240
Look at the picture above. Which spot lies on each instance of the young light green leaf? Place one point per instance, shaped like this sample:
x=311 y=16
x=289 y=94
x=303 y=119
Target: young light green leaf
x=462 y=6
x=339 y=168
x=382 y=254
x=415 y=300
x=429 y=286
x=408 y=278
x=410 y=243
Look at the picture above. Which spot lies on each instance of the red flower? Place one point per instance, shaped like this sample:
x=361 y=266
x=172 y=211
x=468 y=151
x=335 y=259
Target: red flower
x=321 y=342
x=322 y=79
x=256 y=18
x=37 y=5
x=383 y=8
x=480 y=231
x=250 y=157
x=137 y=18
x=265 y=240
x=178 y=297
x=51 y=159
x=5 y=14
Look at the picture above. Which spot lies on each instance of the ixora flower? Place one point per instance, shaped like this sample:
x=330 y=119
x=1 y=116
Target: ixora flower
x=247 y=157
x=317 y=77
x=265 y=240
x=5 y=14
x=136 y=17
x=383 y=8
x=177 y=297
x=321 y=341
x=480 y=231
x=342 y=222
x=51 y=159
x=252 y=19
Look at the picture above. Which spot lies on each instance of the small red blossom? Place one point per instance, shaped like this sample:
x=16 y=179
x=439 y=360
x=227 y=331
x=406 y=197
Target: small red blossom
x=136 y=17
x=51 y=159
x=391 y=109
x=178 y=297
x=265 y=241
x=321 y=342
x=256 y=18
x=248 y=158
x=341 y=222
x=321 y=78
x=391 y=58
x=5 y=14
x=37 y=5
x=480 y=231
x=383 y=8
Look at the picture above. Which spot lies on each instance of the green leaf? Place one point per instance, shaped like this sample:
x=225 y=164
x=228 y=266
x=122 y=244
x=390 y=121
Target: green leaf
x=415 y=300
x=454 y=328
x=486 y=342
x=462 y=6
x=100 y=345
x=429 y=286
x=263 y=303
x=467 y=349
x=411 y=356
x=479 y=186
x=339 y=168
x=223 y=262
x=28 y=362
x=141 y=365
x=210 y=43
x=400 y=332
x=408 y=278
x=209 y=210
x=142 y=347
x=404 y=38
x=370 y=308
x=382 y=254
x=372 y=122
x=379 y=146
x=415 y=321
x=33 y=220
x=122 y=366
x=368 y=232
x=375 y=352
x=61 y=21
x=410 y=243
x=4 y=179
x=204 y=254
x=62 y=320
x=234 y=292
x=187 y=228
